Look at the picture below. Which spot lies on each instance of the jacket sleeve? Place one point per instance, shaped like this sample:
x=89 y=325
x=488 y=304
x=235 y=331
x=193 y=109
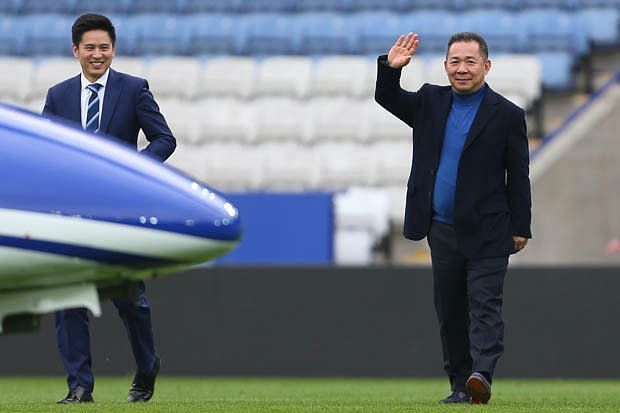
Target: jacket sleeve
x=161 y=141
x=49 y=111
x=391 y=96
x=517 y=178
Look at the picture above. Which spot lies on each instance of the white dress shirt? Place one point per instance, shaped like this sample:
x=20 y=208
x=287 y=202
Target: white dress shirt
x=85 y=96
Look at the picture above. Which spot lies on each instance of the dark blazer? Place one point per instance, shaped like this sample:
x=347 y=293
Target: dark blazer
x=121 y=118
x=492 y=200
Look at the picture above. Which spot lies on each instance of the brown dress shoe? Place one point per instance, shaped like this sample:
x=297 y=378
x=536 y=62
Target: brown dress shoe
x=479 y=388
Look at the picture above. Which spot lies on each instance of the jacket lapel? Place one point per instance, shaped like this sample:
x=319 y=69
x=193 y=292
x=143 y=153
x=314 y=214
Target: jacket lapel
x=113 y=90
x=487 y=109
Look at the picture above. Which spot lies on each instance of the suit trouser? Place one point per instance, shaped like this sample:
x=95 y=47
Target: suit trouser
x=73 y=339
x=468 y=301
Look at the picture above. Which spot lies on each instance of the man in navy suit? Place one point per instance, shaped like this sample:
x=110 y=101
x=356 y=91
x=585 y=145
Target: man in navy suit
x=469 y=193
x=118 y=105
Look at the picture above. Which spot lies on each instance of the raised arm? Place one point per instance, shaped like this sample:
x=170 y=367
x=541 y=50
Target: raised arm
x=388 y=92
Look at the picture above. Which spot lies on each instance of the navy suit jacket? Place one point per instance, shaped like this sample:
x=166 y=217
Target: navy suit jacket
x=493 y=198
x=128 y=106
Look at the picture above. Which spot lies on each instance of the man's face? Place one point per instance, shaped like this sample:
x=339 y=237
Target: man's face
x=95 y=53
x=466 y=67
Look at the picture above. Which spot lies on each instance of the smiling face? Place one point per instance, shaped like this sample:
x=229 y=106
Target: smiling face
x=466 y=67
x=95 y=52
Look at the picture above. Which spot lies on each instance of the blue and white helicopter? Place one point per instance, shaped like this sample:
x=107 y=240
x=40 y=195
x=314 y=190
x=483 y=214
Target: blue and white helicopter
x=82 y=216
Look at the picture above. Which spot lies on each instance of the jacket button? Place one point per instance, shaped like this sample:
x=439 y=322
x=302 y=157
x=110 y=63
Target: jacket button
x=432 y=172
x=430 y=194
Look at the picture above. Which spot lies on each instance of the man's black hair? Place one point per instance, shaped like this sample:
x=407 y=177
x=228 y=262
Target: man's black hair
x=470 y=37
x=91 y=21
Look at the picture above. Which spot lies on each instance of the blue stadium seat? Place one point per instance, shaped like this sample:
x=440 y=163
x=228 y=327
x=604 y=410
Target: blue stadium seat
x=600 y=24
x=47 y=34
x=550 y=4
x=126 y=30
x=556 y=70
x=587 y=4
x=46 y=6
x=10 y=6
x=268 y=5
x=553 y=30
x=153 y=6
x=213 y=6
x=445 y=5
x=12 y=30
x=377 y=31
x=388 y=5
x=490 y=4
x=98 y=6
x=219 y=34
x=502 y=29
x=324 y=5
x=435 y=28
x=327 y=33
x=160 y=34
x=272 y=33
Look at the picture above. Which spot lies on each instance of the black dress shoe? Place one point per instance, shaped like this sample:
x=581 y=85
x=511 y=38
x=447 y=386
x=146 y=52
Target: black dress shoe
x=478 y=388
x=456 y=397
x=143 y=385
x=77 y=395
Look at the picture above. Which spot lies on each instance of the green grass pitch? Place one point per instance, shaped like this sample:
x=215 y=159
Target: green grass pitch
x=174 y=394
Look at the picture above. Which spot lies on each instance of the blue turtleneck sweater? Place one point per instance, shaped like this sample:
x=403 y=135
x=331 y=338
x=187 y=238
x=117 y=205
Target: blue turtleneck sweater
x=462 y=113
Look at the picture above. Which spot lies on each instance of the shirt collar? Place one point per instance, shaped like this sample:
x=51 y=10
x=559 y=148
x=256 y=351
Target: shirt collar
x=102 y=80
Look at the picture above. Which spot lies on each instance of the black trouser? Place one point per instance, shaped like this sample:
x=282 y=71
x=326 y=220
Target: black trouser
x=468 y=301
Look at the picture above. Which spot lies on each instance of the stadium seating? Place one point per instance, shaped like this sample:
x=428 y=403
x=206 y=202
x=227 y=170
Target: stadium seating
x=271 y=33
x=215 y=34
x=173 y=76
x=213 y=6
x=288 y=76
x=49 y=72
x=16 y=86
x=12 y=35
x=227 y=76
x=45 y=6
x=107 y=7
x=224 y=120
x=327 y=33
x=342 y=76
x=158 y=34
x=47 y=34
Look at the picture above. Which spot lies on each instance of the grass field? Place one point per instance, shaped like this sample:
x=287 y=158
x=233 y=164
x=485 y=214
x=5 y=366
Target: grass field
x=175 y=394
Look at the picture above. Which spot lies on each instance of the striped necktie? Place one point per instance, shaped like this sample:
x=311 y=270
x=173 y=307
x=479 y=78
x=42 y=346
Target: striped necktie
x=92 y=113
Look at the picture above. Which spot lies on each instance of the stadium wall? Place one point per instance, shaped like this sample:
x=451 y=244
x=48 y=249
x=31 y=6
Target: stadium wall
x=328 y=321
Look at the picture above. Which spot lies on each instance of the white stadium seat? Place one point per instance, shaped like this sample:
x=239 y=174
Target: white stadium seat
x=50 y=71
x=224 y=120
x=517 y=77
x=227 y=76
x=283 y=76
x=287 y=166
x=131 y=65
x=342 y=76
x=279 y=118
x=338 y=119
x=344 y=164
x=392 y=162
x=182 y=118
x=382 y=125
x=413 y=75
x=173 y=76
x=17 y=77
